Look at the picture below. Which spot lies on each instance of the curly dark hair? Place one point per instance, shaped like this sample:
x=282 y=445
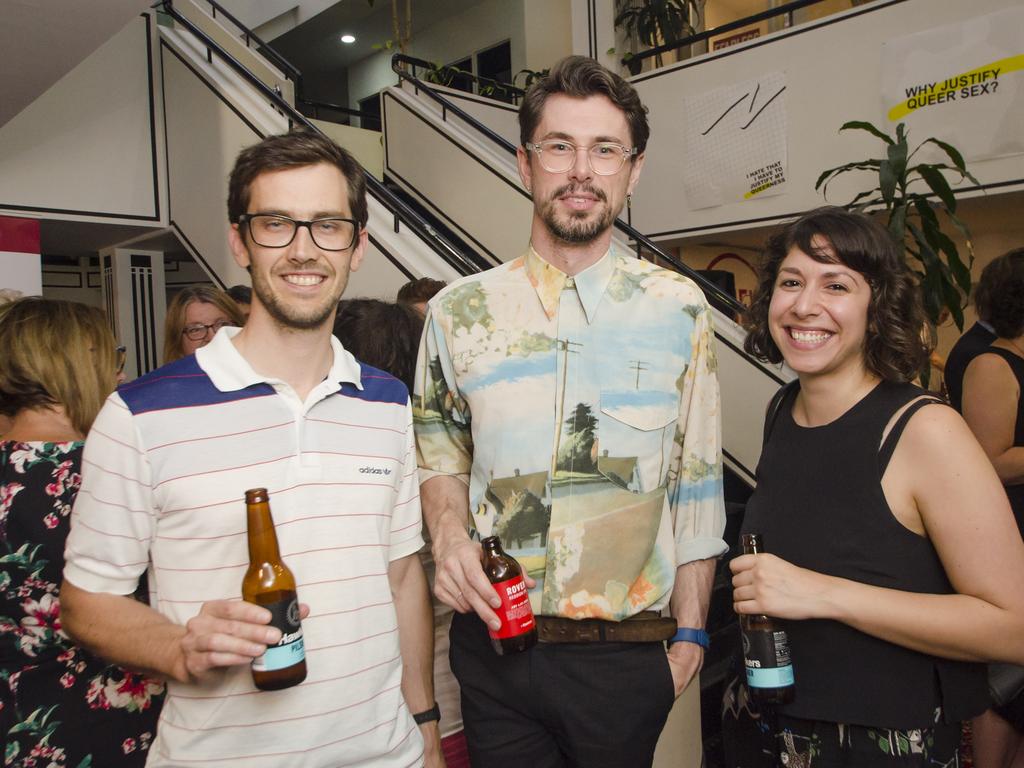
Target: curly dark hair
x=579 y=77
x=297 y=149
x=894 y=348
x=999 y=297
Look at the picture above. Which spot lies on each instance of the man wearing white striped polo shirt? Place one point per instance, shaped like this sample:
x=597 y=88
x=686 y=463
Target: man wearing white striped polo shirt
x=278 y=404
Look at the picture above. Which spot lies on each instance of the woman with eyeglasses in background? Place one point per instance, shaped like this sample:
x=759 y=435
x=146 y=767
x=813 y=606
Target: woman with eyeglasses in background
x=193 y=318
x=59 y=704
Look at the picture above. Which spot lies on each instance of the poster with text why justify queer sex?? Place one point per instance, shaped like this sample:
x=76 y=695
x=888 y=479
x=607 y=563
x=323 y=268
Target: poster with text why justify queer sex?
x=962 y=83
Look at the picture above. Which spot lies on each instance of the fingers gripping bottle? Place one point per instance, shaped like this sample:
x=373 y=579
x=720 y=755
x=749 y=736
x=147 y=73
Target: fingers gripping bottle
x=269 y=583
x=518 y=630
x=765 y=648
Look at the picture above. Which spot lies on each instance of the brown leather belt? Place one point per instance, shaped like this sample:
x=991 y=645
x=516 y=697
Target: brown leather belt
x=645 y=627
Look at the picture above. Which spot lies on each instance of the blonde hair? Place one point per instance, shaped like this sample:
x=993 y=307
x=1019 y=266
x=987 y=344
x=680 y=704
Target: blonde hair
x=56 y=353
x=174 y=325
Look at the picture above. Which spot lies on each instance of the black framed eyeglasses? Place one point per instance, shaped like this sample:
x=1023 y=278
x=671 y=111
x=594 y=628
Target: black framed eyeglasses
x=199 y=331
x=606 y=158
x=122 y=358
x=272 y=230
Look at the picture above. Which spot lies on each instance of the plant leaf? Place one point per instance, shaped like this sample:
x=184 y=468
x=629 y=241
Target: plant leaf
x=951 y=151
x=862 y=125
x=938 y=184
x=887 y=181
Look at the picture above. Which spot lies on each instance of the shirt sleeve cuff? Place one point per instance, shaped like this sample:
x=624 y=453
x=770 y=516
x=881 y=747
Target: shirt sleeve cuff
x=700 y=549
x=427 y=474
x=91 y=581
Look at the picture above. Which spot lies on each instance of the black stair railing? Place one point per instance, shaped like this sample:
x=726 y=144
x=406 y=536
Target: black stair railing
x=643 y=243
x=401 y=211
x=635 y=60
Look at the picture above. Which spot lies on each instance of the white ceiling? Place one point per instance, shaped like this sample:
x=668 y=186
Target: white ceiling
x=43 y=40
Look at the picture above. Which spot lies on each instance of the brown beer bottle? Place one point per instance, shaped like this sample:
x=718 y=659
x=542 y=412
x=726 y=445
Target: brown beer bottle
x=518 y=626
x=269 y=583
x=765 y=648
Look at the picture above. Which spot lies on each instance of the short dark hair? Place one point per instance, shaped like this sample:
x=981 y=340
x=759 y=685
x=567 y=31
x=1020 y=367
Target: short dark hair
x=579 y=77
x=381 y=334
x=894 y=348
x=421 y=289
x=297 y=149
x=999 y=297
x=242 y=294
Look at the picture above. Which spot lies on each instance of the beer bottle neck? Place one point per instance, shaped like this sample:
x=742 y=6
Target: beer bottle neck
x=752 y=544
x=492 y=547
x=262 y=537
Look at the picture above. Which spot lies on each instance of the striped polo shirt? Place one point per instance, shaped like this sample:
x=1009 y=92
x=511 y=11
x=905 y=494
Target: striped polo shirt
x=166 y=467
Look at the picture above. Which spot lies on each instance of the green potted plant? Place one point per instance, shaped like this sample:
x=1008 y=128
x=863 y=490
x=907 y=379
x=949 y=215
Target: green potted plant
x=655 y=22
x=915 y=197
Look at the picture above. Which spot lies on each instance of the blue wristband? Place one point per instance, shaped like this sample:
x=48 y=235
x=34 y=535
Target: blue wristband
x=689 y=635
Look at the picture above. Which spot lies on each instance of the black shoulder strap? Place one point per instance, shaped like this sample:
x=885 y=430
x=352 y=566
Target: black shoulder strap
x=889 y=444
x=772 y=412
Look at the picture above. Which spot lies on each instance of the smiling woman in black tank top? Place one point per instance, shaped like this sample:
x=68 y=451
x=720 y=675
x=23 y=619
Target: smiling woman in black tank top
x=896 y=563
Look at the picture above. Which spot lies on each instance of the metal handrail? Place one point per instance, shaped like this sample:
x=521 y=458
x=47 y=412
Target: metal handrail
x=318 y=105
x=290 y=70
x=399 y=209
x=642 y=241
x=720 y=29
x=510 y=88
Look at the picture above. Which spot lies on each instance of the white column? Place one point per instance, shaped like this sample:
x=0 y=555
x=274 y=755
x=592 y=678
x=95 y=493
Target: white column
x=136 y=302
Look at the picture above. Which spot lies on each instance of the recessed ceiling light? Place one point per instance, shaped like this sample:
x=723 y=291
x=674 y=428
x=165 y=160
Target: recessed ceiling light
x=348 y=39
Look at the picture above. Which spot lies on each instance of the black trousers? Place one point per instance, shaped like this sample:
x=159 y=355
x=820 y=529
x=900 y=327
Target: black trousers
x=560 y=705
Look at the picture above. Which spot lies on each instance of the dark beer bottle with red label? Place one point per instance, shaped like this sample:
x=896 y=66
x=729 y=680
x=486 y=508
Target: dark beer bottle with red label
x=269 y=583
x=765 y=648
x=518 y=629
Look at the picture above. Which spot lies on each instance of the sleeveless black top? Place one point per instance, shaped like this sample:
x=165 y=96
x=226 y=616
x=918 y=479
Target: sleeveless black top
x=1015 y=492
x=819 y=505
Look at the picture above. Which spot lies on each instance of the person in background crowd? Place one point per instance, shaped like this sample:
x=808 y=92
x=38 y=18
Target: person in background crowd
x=387 y=336
x=894 y=560
x=242 y=295
x=971 y=343
x=416 y=293
x=59 y=704
x=568 y=402
x=994 y=410
x=194 y=316
x=276 y=404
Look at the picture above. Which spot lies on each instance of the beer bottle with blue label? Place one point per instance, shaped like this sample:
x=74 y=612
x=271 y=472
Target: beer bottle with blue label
x=269 y=583
x=765 y=648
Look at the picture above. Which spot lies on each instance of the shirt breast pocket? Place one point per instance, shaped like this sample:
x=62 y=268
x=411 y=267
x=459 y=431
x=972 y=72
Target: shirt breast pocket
x=635 y=437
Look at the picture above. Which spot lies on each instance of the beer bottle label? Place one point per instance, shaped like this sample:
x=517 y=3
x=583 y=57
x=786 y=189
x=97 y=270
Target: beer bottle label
x=515 y=612
x=290 y=649
x=766 y=657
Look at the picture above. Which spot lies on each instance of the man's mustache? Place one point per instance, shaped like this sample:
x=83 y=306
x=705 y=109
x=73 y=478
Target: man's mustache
x=577 y=189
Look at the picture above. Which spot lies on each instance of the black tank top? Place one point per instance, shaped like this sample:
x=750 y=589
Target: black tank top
x=819 y=505
x=1015 y=492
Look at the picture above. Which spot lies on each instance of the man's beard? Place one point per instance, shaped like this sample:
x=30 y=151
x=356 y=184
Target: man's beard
x=299 y=319
x=578 y=230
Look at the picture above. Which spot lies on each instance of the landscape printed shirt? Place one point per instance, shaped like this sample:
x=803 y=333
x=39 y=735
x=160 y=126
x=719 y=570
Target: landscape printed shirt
x=584 y=414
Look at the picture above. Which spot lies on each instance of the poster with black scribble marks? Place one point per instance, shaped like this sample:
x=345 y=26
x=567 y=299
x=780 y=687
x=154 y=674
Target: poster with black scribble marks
x=736 y=142
x=961 y=83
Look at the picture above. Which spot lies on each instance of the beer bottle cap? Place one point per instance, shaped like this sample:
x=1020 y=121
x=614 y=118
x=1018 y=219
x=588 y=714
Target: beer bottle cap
x=256 y=495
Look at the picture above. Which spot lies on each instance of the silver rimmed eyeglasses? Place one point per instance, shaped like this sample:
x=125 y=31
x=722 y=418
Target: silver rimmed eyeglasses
x=606 y=158
x=272 y=230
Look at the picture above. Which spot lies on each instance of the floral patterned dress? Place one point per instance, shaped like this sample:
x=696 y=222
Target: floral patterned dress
x=59 y=705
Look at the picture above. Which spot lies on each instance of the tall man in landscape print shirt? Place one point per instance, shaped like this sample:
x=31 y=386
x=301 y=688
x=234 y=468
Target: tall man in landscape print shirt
x=574 y=391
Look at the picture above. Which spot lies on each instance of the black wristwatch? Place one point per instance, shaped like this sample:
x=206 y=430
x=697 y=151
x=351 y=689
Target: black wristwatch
x=428 y=716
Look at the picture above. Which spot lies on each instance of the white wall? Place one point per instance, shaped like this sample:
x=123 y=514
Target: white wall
x=86 y=147
x=475 y=29
x=832 y=76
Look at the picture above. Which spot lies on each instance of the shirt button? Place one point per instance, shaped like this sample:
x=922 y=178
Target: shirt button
x=570 y=283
